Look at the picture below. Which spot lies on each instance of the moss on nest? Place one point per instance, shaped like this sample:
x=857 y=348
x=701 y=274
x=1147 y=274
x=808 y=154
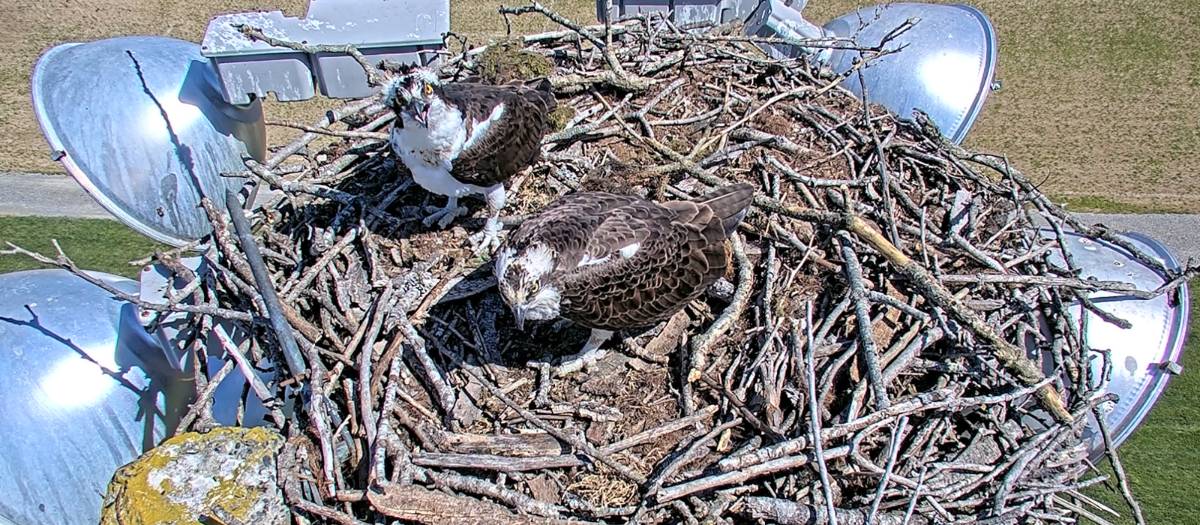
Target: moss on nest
x=508 y=60
x=228 y=468
x=561 y=116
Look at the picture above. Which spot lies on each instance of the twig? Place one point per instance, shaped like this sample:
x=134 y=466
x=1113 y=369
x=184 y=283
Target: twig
x=374 y=76
x=814 y=413
x=741 y=297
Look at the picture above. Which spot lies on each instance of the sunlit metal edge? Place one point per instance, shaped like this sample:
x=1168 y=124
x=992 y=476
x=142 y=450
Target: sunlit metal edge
x=73 y=169
x=991 y=55
x=1174 y=347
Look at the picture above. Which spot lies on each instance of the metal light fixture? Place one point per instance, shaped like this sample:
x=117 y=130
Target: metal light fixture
x=85 y=391
x=944 y=65
x=1142 y=358
x=141 y=124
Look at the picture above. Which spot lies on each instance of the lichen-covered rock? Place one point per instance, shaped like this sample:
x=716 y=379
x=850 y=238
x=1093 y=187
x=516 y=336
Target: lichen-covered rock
x=225 y=472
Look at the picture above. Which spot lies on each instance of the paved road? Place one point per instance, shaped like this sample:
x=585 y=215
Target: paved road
x=1180 y=233
x=46 y=195
x=61 y=196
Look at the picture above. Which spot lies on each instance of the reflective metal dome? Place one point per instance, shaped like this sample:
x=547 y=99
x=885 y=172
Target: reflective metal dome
x=83 y=394
x=945 y=68
x=140 y=123
x=1144 y=356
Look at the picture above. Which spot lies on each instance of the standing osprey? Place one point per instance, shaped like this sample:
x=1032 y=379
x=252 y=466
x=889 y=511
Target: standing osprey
x=610 y=262
x=460 y=139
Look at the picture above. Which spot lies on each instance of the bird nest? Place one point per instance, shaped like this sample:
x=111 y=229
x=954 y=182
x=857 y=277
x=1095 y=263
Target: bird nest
x=875 y=353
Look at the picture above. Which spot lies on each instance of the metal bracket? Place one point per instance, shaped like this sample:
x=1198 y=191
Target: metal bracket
x=409 y=32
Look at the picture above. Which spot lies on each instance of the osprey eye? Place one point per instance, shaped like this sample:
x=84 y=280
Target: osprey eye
x=428 y=89
x=534 y=287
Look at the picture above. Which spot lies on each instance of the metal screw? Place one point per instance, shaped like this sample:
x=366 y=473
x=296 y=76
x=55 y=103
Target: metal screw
x=1172 y=368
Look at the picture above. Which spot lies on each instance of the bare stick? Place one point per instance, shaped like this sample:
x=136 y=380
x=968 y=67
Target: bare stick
x=374 y=76
x=741 y=297
x=814 y=413
x=64 y=262
x=863 y=325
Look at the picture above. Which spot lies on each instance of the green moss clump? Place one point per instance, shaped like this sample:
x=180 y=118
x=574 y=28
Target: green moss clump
x=561 y=116
x=507 y=61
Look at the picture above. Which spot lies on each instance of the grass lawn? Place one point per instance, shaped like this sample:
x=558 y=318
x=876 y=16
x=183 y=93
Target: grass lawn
x=94 y=244
x=1161 y=458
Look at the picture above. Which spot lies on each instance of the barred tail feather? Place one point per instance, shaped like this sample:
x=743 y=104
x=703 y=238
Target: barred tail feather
x=731 y=203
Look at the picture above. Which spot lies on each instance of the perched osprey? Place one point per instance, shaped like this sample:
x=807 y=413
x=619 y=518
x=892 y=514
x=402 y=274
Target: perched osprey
x=610 y=262
x=460 y=139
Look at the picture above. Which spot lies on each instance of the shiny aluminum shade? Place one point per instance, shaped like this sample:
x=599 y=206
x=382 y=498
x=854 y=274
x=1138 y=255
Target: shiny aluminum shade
x=944 y=67
x=140 y=123
x=82 y=394
x=1144 y=356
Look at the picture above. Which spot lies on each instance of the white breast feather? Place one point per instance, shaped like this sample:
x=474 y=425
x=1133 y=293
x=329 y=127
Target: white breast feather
x=588 y=260
x=624 y=252
x=628 y=251
x=429 y=152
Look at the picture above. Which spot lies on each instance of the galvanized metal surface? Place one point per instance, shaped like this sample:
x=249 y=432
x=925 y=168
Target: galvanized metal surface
x=406 y=31
x=945 y=65
x=86 y=389
x=172 y=333
x=682 y=12
x=1142 y=356
x=83 y=393
x=139 y=122
x=778 y=19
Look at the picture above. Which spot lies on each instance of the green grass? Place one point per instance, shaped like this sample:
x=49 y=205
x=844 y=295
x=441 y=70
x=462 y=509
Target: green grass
x=1099 y=204
x=1161 y=458
x=94 y=244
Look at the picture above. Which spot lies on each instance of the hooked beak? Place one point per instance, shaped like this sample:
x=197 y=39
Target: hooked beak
x=420 y=111
x=519 y=314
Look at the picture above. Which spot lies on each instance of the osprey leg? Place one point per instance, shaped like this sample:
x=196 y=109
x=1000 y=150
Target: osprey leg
x=488 y=238
x=590 y=354
x=444 y=216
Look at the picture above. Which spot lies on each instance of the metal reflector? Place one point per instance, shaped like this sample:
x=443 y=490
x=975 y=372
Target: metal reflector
x=944 y=64
x=83 y=394
x=1144 y=356
x=140 y=123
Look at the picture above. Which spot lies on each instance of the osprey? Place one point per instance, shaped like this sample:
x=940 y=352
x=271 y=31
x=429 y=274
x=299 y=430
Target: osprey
x=610 y=262
x=460 y=139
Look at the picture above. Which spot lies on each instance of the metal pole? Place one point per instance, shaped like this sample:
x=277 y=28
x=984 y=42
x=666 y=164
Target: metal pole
x=283 y=330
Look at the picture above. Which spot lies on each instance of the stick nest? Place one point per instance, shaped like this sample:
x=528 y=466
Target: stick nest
x=875 y=352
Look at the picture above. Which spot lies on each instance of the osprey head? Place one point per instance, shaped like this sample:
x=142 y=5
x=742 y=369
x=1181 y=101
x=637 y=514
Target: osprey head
x=412 y=94
x=524 y=278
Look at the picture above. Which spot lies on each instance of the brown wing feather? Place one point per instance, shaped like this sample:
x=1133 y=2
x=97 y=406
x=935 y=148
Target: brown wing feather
x=566 y=225
x=513 y=142
x=670 y=269
x=682 y=251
